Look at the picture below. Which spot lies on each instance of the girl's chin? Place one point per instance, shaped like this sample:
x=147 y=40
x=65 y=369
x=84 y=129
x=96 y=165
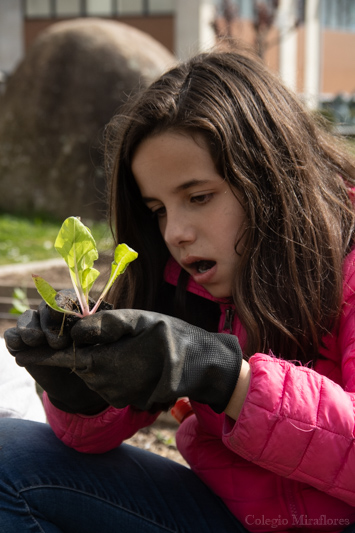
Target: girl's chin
x=220 y=294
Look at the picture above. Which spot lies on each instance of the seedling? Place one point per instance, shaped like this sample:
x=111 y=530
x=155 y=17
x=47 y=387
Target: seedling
x=77 y=246
x=20 y=302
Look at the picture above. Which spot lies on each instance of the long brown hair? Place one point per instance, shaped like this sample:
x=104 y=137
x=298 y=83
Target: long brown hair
x=294 y=179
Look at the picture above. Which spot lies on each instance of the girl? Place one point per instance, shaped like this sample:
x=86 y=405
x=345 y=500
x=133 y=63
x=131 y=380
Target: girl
x=242 y=298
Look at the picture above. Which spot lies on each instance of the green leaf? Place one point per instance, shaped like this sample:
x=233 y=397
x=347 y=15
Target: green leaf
x=77 y=246
x=19 y=294
x=48 y=294
x=88 y=278
x=20 y=302
x=122 y=257
x=18 y=308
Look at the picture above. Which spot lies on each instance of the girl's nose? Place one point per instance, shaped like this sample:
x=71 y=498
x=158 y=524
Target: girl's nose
x=178 y=230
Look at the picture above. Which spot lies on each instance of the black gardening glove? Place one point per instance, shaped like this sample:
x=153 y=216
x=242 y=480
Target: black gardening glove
x=145 y=359
x=38 y=335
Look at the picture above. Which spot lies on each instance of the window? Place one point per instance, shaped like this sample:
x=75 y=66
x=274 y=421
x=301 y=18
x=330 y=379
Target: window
x=130 y=7
x=161 y=6
x=244 y=9
x=67 y=8
x=339 y=15
x=336 y=15
x=96 y=8
x=37 y=8
x=99 y=7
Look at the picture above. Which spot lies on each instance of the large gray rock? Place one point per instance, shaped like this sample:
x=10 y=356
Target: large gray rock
x=53 y=112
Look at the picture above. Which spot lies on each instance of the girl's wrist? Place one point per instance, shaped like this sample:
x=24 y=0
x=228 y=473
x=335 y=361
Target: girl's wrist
x=237 y=399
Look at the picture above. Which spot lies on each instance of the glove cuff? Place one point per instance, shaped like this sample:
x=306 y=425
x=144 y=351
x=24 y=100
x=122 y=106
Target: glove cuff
x=212 y=378
x=205 y=369
x=88 y=410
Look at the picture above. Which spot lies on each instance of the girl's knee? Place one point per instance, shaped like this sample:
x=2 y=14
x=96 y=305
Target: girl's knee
x=17 y=434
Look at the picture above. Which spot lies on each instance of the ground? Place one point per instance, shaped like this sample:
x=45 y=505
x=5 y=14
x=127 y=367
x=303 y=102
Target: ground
x=158 y=438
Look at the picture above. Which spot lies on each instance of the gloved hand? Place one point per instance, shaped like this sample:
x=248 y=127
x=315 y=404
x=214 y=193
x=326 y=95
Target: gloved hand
x=144 y=359
x=38 y=335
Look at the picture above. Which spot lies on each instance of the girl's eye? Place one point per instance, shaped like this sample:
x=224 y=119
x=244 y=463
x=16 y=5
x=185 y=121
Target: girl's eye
x=160 y=212
x=202 y=198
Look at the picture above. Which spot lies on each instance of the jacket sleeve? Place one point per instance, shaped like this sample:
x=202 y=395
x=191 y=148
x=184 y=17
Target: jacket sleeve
x=99 y=433
x=299 y=423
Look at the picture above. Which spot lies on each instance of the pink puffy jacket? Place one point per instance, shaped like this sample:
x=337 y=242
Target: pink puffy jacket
x=288 y=462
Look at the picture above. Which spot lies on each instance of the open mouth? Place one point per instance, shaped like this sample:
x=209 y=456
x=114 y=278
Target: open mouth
x=204 y=266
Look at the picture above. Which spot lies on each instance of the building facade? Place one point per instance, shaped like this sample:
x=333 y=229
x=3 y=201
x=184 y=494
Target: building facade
x=175 y=24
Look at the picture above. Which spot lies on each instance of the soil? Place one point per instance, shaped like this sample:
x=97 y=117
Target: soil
x=158 y=438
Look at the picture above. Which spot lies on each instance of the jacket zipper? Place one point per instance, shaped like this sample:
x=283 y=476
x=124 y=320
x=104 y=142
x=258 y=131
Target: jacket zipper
x=228 y=321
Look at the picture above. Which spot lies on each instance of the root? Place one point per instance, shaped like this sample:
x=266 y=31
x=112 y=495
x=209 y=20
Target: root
x=61 y=332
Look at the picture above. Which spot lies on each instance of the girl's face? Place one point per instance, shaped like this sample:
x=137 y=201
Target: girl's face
x=199 y=217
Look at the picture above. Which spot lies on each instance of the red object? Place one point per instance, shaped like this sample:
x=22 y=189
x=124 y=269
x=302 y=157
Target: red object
x=182 y=409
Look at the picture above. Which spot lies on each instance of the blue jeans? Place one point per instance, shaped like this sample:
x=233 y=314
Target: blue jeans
x=47 y=487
